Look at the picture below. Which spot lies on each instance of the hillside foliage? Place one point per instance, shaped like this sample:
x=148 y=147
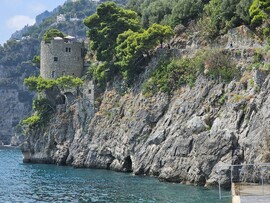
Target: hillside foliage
x=123 y=37
x=171 y=73
x=42 y=113
x=132 y=46
x=120 y=42
x=124 y=50
x=219 y=15
x=105 y=25
x=42 y=106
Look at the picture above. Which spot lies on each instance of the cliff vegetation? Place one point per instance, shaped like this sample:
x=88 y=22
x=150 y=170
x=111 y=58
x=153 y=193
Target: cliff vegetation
x=16 y=63
x=173 y=98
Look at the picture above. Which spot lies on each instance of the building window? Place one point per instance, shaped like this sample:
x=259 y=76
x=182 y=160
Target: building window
x=55 y=58
x=81 y=52
x=53 y=74
x=66 y=49
x=69 y=49
x=89 y=91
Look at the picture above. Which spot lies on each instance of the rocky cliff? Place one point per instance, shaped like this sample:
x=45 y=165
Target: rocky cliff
x=16 y=100
x=13 y=108
x=182 y=137
x=16 y=63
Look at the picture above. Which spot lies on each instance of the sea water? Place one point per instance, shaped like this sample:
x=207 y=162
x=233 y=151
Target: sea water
x=49 y=183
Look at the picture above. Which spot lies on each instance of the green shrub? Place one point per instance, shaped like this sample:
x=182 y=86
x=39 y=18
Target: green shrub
x=51 y=33
x=36 y=61
x=170 y=75
x=222 y=99
x=184 y=11
x=258 y=59
x=237 y=98
x=100 y=73
x=259 y=12
x=68 y=81
x=251 y=82
x=219 y=66
x=133 y=47
x=42 y=114
x=32 y=121
x=42 y=106
x=40 y=84
x=258 y=56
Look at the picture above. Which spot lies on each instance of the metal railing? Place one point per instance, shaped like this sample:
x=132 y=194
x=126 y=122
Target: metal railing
x=247 y=179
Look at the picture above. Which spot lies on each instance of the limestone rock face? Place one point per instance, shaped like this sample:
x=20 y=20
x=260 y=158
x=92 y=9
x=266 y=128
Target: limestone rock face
x=183 y=138
x=16 y=100
x=13 y=108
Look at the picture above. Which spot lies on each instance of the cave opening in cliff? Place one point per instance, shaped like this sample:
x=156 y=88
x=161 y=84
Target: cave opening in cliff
x=127 y=166
x=62 y=100
x=69 y=97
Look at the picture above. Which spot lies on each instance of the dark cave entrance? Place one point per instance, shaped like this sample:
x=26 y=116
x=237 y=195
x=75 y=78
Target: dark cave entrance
x=69 y=97
x=127 y=166
x=62 y=100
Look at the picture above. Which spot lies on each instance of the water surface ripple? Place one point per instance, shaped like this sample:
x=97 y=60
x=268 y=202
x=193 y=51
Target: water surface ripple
x=49 y=183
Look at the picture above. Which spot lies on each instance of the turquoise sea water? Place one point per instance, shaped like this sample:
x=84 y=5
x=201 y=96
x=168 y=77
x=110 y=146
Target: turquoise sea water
x=49 y=183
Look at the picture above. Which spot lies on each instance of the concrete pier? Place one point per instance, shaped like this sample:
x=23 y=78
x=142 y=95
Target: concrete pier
x=250 y=193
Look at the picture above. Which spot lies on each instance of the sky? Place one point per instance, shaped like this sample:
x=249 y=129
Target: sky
x=15 y=14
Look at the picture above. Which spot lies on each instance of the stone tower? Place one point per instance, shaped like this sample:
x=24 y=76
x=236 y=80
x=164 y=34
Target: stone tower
x=61 y=56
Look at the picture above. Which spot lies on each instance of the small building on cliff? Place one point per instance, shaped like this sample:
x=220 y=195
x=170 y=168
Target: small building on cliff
x=61 y=56
x=65 y=56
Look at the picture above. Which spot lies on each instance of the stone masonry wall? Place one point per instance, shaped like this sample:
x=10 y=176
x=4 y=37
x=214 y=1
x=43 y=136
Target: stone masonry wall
x=60 y=58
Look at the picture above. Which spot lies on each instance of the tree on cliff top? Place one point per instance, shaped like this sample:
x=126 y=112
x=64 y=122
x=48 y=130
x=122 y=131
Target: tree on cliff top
x=117 y=36
x=105 y=25
x=259 y=13
x=222 y=15
x=132 y=46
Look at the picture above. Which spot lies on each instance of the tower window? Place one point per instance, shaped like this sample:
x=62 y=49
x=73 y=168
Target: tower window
x=81 y=51
x=69 y=49
x=55 y=58
x=66 y=49
x=53 y=74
